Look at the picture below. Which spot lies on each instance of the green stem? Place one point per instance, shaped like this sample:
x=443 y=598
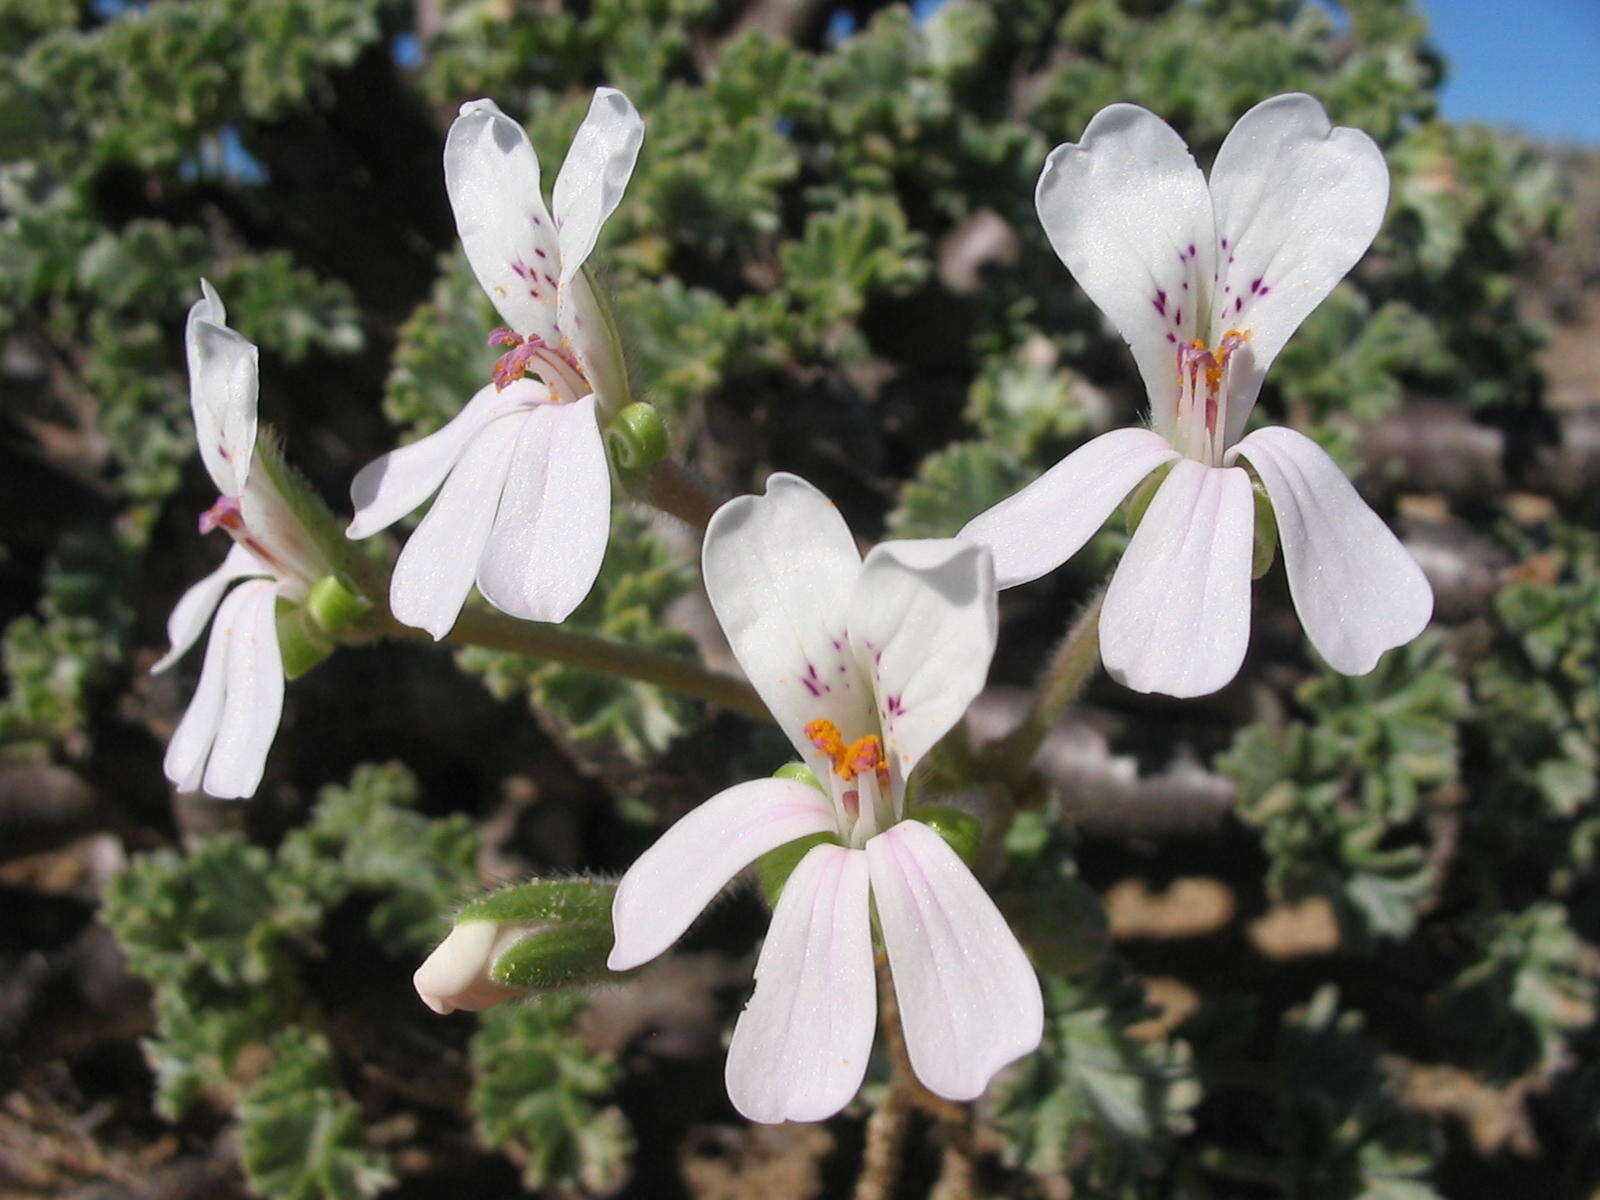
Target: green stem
x=495 y=631
x=670 y=488
x=1059 y=684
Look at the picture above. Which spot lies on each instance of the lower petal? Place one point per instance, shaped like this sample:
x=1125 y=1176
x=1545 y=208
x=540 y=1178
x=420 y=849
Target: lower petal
x=1356 y=589
x=253 y=702
x=185 y=762
x=550 y=536
x=1177 y=614
x=434 y=572
x=195 y=606
x=665 y=890
x=969 y=999
x=389 y=487
x=800 y=1049
x=1047 y=522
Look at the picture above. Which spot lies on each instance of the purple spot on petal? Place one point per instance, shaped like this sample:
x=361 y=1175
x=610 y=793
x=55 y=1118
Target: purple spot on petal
x=540 y=252
x=550 y=279
x=1178 y=320
x=1191 y=249
x=1255 y=285
x=1224 y=243
x=1238 y=305
x=1160 y=302
x=1170 y=338
x=1264 y=291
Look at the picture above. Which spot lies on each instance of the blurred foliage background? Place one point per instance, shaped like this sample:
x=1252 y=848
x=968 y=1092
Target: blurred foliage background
x=1311 y=937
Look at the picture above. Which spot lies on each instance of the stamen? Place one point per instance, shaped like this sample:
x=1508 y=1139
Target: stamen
x=224 y=514
x=862 y=755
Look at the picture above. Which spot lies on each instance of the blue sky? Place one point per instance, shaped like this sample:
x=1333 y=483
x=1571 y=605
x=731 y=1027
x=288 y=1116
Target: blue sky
x=1532 y=64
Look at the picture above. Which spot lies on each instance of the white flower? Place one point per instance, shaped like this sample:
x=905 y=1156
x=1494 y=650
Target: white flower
x=525 y=506
x=221 y=744
x=1206 y=284
x=865 y=665
x=456 y=975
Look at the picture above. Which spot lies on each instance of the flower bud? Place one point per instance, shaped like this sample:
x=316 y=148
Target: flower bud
x=456 y=975
x=637 y=437
x=536 y=936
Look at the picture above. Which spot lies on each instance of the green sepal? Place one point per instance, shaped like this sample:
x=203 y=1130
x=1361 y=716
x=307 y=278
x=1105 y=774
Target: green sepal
x=333 y=606
x=962 y=830
x=301 y=644
x=546 y=900
x=1265 y=546
x=798 y=772
x=557 y=957
x=1133 y=508
x=775 y=866
x=637 y=437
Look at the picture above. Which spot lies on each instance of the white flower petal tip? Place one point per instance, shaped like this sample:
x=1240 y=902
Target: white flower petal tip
x=923 y=624
x=1035 y=531
x=800 y=1049
x=1357 y=590
x=456 y=975
x=435 y=569
x=969 y=998
x=223 y=389
x=220 y=746
x=1176 y=618
x=492 y=177
x=594 y=176
x=780 y=570
x=195 y=606
x=666 y=889
x=550 y=532
x=396 y=483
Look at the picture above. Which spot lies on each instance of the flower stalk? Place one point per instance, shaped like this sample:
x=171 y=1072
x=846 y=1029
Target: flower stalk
x=494 y=631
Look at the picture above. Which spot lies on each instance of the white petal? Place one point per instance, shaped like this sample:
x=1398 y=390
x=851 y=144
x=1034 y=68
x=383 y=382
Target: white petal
x=1035 y=531
x=1299 y=201
x=389 y=487
x=550 y=536
x=222 y=394
x=969 y=999
x=800 y=1049
x=254 y=693
x=592 y=179
x=780 y=569
x=195 y=606
x=1177 y=614
x=1356 y=589
x=1127 y=210
x=435 y=570
x=670 y=883
x=492 y=176
x=922 y=624
x=185 y=762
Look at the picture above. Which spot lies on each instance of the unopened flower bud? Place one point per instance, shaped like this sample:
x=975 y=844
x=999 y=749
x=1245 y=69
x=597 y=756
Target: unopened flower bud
x=535 y=936
x=456 y=975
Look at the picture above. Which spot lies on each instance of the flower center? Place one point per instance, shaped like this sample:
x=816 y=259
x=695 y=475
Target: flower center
x=1202 y=394
x=556 y=366
x=862 y=755
x=227 y=515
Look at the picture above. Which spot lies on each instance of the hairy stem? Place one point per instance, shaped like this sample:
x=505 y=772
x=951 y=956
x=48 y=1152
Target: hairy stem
x=672 y=489
x=495 y=631
x=1060 y=683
